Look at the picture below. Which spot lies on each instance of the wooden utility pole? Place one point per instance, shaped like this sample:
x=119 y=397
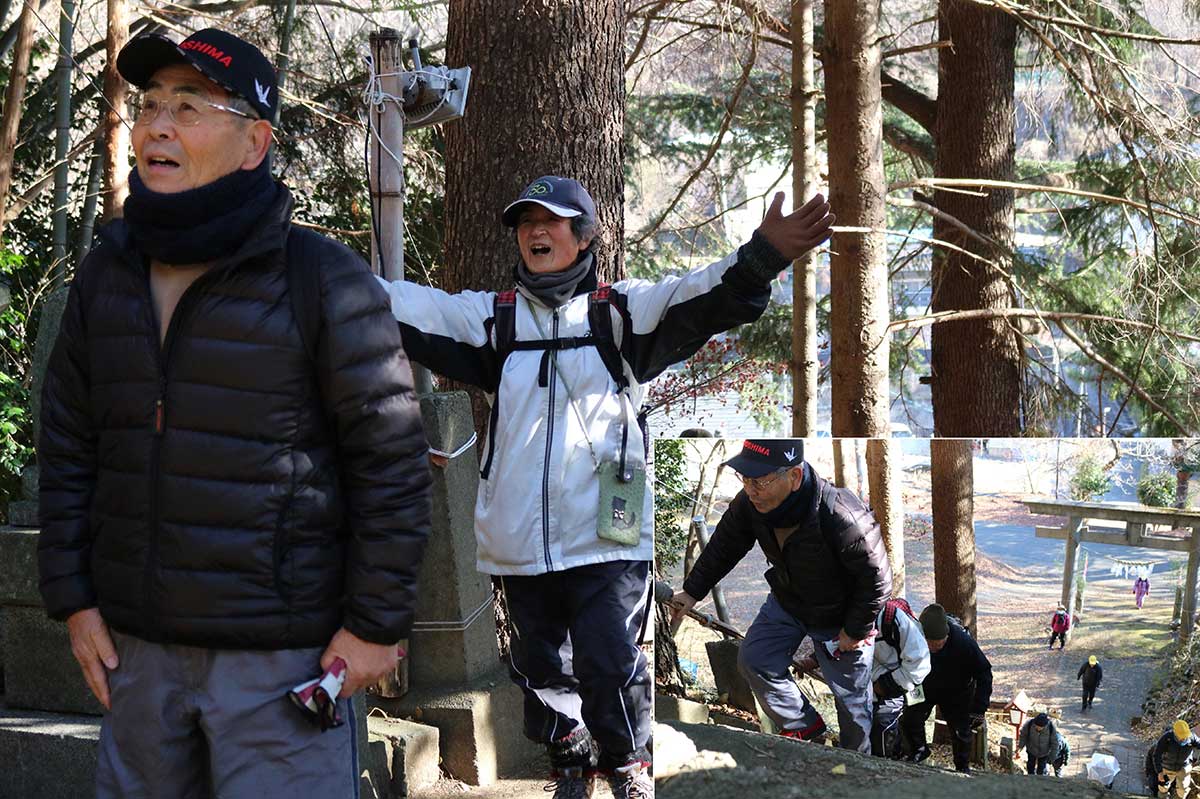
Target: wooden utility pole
x=116 y=127
x=14 y=96
x=804 y=184
x=386 y=138
x=858 y=264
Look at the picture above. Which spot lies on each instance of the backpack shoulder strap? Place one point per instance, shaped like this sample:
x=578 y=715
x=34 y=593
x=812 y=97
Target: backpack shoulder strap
x=504 y=314
x=600 y=323
x=303 y=266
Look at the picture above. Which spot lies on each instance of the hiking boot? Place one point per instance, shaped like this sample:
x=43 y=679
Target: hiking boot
x=920 y=755
x=631 y=782
x=814 y=733
x=571 y=783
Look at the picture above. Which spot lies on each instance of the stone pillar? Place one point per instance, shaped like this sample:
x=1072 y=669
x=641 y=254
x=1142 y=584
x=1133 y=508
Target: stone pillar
x=454 y=637
x=1187 y=618
x=1074 y=531
x=457 y=681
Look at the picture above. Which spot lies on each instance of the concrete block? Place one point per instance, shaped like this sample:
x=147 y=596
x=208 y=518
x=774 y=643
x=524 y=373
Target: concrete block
x=18 y=567
x=23 y=513
x=480 y=726
x=722 y=657
x=47 y=756
x=728 y=720
x=51 y=320
x=667 y=707
x=454 y=638
x=39 y=671
x=409 y=751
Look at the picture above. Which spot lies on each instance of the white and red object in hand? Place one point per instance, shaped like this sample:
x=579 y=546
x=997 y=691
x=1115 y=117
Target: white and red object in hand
x=318 y=698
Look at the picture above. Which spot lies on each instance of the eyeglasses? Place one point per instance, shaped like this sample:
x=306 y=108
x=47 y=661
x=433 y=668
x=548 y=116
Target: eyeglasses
x=184 y=108
x=759 y=483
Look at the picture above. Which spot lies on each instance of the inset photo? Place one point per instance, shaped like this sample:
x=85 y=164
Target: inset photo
x=925 y=609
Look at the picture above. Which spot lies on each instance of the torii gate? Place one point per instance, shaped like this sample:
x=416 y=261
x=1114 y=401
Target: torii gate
x=1130 y=531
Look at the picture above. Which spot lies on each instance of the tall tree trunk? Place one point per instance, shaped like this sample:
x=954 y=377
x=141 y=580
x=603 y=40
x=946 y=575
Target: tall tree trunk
x=1182 y=475
x=116 y=133
x=804 y=184
x=854 y=126
x=883 y=474
x=65 y=72
x=547 y=97
x=839 y=462
x=10 y=121
x=87 y=218
x=976 y=364
x=953 y=490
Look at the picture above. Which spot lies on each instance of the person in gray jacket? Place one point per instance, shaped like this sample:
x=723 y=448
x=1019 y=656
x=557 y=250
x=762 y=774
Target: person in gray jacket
x=563 y=520
x=829 y=578
x=1041 y=741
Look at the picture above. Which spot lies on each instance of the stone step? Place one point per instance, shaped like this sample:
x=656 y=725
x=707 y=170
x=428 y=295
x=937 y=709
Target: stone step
x=48 y=756
x=40 y=673
x=18 y=567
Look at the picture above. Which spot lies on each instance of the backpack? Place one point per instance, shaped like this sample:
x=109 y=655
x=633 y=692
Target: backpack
x=304 y=285
x=600 y=335
x=889 y=631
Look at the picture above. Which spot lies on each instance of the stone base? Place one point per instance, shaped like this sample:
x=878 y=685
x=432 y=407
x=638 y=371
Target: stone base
x=18 y=567
x=48 y=756
x=23 y=513
x=481 y=728
x=407 y=752
x=722 y=658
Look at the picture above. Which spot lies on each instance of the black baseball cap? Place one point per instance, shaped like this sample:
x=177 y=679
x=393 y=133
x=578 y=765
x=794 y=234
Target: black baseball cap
x=230 y=62
x=760 y=457
x=562 y=196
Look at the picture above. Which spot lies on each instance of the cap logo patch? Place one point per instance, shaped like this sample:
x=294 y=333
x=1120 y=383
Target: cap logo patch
x=538 y=189
x=750 y=445
x=790 y=454
x=207 y=49
x=263 y=92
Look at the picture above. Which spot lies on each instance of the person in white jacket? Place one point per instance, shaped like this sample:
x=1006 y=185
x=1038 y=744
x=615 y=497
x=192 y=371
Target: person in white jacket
x=901 y=664
x=563 y=517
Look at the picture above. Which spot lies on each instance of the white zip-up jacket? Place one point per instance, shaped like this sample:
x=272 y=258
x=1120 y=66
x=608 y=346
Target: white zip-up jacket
x=536 y=510
x=908 y=665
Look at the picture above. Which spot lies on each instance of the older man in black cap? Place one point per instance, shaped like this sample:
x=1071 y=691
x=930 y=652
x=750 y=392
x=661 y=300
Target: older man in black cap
x=234 y=477
x=829 y=577
x=563 y=519
x=959 y=683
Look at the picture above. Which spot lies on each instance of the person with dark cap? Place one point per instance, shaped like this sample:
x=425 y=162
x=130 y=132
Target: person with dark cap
x=226 y=512
x=563 y=520
x=829 y=577
x=959 y=684
x=1092 y=673
x=1042 y=744
x=1173 y=759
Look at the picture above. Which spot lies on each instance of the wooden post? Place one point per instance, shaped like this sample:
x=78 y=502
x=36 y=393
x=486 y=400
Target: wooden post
x=386 y=146
x=804 y=183
x=1187 y=618
x=116 y=129
x=14 y=97
x=1074 y=527
x=65 y=71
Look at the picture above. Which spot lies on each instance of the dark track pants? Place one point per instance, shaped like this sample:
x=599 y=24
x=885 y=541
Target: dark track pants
x=574 y=654
x=1089 y=696
x=912 y=728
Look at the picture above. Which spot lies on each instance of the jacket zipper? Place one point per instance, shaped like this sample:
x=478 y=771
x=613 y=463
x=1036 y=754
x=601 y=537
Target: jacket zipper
x=549 y=445
x=162 y=352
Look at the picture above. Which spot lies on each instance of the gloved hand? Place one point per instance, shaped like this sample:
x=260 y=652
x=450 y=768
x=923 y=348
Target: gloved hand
x=976 y=722
x=886 y=687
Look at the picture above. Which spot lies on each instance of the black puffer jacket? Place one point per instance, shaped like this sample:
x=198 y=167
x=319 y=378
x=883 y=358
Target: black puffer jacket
x=832 y=571
x=194 y=492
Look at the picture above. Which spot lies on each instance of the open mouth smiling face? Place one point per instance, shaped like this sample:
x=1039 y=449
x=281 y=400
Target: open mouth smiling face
x=546 y=240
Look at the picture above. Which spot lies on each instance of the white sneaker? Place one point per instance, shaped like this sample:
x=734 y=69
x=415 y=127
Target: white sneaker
x=631 y=782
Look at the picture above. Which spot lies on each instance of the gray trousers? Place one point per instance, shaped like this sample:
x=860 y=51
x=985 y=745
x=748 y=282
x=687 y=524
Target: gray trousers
x=193 y=723
x=766 y=656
